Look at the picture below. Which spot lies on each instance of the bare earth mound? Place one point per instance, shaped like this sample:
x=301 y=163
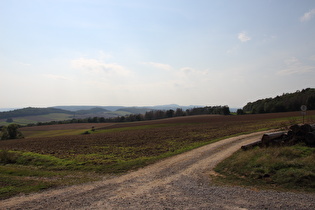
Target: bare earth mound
x=180 y=182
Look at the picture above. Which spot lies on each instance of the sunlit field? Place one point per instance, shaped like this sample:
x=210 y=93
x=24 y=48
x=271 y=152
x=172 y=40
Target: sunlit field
x=56 y=151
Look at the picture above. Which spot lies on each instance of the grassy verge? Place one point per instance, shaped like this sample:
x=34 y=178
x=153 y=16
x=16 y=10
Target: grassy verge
x=281 y=168
x=30 y=172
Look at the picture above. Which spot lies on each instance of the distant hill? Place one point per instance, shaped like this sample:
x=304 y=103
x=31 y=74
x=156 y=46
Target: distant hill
x=285 y=103
x=7 y=109
x=79 y=108
x=95 y=110
x=58 y=113
x=31 y=111
x=135 y=110
x=173 y=106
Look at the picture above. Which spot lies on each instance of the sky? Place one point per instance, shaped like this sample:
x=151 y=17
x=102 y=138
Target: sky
x=154 y=52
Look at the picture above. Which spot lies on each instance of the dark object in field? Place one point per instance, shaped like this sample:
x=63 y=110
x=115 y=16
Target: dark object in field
x=310 y=138
x=297 y=133
x=269 y=138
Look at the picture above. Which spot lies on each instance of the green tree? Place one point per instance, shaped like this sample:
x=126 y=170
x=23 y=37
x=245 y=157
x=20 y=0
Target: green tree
x=4 y=133
x=170 y=113
x=240 y=112
x=179 y=112
x=226 y=110
x=11 y=132
x=311 y=103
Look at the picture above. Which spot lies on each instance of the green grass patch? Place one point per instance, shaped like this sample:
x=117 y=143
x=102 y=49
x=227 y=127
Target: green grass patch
x=35 y=159
x=11 y=185
x=25 y=172
x=17 y=179
x=286 y=168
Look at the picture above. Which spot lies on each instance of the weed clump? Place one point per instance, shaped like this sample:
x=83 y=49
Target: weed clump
x=86 y=132
x=7 y=157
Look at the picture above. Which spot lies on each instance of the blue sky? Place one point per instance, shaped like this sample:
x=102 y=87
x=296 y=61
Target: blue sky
x=153 y=52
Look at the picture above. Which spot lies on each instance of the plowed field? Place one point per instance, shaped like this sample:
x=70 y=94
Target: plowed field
x=128 y=141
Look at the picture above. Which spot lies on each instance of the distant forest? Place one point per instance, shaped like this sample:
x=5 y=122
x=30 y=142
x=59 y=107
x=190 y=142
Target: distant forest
x=150 y=115
x=287 y=102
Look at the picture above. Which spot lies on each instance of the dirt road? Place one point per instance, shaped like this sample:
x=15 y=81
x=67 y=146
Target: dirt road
x=179 y=182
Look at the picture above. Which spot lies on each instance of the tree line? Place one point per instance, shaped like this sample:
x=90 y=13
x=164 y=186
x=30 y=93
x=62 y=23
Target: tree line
x=149 y=115
x=287 y=102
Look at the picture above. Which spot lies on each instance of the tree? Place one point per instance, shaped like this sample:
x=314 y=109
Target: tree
x=226 y=110
x=4 y=133
x=284 y=103
x=179 y=112
x=149 y=115
x=170 y=113
x=240 y=112
x=11 y=132
x=311 y=103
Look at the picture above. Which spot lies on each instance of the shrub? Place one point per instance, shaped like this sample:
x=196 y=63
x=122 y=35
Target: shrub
x=7 y=157
x=86 y=132
x=11 y=132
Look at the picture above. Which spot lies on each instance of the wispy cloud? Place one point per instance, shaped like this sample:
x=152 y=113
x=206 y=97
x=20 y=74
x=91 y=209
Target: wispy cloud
x=243 y=37
x=307 y=16
x=158 y=65
x=99 y=66
x=295 y=66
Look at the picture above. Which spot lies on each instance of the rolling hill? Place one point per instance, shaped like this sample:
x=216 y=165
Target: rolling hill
x=34 y=115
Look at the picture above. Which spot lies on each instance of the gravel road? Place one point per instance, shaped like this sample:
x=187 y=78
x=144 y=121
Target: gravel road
x=179 y=182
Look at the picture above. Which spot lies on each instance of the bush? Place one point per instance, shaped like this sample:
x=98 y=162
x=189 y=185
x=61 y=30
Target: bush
x=11 y=132
x=86 y=132
x=7 y=157
x=240 y=112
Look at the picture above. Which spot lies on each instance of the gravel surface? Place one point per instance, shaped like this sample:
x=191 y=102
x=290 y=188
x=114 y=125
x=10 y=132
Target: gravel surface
x=179 y=182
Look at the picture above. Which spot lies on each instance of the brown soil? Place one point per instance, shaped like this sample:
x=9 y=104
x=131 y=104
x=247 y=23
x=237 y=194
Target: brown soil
x=65 y=126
